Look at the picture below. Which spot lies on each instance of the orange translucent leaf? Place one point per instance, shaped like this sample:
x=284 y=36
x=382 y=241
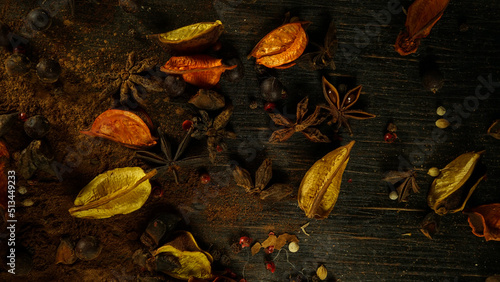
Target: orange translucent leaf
x=485 y=221
x=422 y=16
x=279 y=48
x=200 y=70
x=276 y=241
x=122 y=127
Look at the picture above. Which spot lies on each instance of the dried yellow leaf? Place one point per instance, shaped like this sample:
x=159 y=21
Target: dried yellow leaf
x=195 y=37
x=193 y=261
x=117 y=191
x=320 y=186
x=453 y=187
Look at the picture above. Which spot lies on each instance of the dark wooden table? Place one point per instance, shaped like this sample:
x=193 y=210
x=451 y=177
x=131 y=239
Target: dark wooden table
x=367 y=237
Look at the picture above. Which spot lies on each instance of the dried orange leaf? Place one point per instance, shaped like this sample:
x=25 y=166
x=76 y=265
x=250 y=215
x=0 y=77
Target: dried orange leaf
x=276 y=241
x=192 y=38
x=192 y=261
x=122 y=127
x=117 y=191
x=485 y=221
x=422 y=16
x=282 y=46
x=200 y=70
x=453 y=187
x=256 y=248
x=320 y=186
x=65 y=253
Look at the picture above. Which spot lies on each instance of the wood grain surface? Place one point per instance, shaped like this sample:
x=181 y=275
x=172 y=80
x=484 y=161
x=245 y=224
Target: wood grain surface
x=367 y=237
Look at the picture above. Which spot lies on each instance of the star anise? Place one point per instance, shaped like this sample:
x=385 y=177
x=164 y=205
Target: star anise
x=340 y=111
x=406 y=183
x=168 y=161
x=126 y=81
x=300 y=125
x=214 y=130
x=323 y=58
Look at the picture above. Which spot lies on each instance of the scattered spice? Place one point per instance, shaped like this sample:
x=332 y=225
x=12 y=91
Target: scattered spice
x=320 y=186
x=293 y=247
x=441 y=111
x=442 y=123
x=276 y=242
x=433 y=171
x=270 y=266
x=340 y=111
x=421 y=17
x=300 y=125
x=406 y=181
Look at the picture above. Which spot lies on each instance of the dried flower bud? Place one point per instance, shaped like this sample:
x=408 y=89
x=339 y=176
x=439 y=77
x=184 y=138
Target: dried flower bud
x=433 y=171
x=293 y=247
x=442 y=123
x=322 y=272
x=441 y=111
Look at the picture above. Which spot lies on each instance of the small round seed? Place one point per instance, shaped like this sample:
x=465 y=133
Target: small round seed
x=441 y=111
x=433 y=171
x=293 y=247
x=442 y=123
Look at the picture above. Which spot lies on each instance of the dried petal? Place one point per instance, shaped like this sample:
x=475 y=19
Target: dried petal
x=422 y=16
x=208 y=100
x=315 y=135
x=200 y=70
x=276 y=192
x=282 y=46
x=276 y=241
x=452 y=188
x=494 y=129
x=485 y=221
x=281 y=135
x=191 y=261
x=122 y=127
x=192 y=38
x=222 y=119
x=117 y=191
x=320 y=186
x=243 y=178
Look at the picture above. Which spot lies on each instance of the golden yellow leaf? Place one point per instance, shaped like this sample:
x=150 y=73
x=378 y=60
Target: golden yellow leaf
x=453 y=187
x=117 y=191
x=193 y=261
x=320 y=186
x=195 y=37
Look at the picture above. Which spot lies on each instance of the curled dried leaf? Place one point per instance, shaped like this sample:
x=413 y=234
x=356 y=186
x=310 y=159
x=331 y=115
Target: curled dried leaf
x=192 y=38
x=117 y=191
x=494 y=129
x=190 y=260
x=453 y=187
x=200 y=70
x=320 y=186
x=122 y=127
x=421 y=17
x=282 y=46
x=485 y=221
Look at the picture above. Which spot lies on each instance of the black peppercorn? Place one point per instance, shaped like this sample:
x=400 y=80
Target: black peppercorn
x=236 y=73
x=39 y=19
x=48 y=71
x=272 y=90
x=88 y=248
x=17 y=64
x=37 y=127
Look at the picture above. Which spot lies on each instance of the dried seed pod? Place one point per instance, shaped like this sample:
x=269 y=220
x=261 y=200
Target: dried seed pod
x=485 y=221
x=122 y=127
x=320 y=186
x=442 y=123
x=37 y=127
x=282 y=46
x=493 y=131
x=452 y=188
x=88 y=248
x=192 y=38
x=159 y=228
x=322 y=272
x=65 y=253
x=200 y=70
x=276 y=192
x=208 y=100
x=421 y=17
